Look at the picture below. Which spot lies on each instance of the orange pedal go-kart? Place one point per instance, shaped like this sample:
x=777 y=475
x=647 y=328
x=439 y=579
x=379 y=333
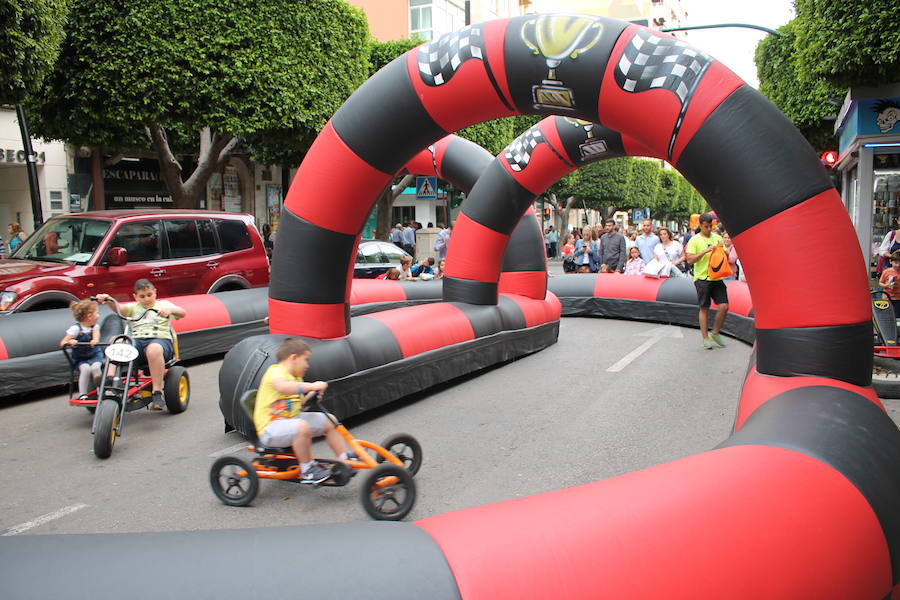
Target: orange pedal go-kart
x=389 y=490
x=126 y=386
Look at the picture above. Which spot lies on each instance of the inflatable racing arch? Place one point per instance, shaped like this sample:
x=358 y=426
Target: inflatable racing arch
x=803 y=500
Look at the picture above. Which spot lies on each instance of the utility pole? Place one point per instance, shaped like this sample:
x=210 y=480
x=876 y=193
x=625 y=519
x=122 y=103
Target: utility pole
x=31 y=169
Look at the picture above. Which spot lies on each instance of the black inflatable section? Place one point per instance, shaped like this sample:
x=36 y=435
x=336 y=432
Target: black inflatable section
x=333 y=252
x=368 y=125
x=525 y=248
x=748 y=129
x=467 y=290
x=840 y=351
x=508 y=200
x=278 y=563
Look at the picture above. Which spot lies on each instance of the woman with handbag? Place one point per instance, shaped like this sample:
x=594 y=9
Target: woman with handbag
x=669 y=252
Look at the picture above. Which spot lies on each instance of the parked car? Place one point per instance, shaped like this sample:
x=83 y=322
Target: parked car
x=374 y=257
x=180 y=251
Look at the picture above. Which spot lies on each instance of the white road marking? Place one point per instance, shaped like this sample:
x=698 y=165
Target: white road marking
x=229 y=450
x=655 y=334
x=44 y=519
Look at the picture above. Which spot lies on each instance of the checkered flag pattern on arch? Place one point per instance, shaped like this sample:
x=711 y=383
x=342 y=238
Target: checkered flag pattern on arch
x=519 y=152
x=654 y=62
x=439 y=60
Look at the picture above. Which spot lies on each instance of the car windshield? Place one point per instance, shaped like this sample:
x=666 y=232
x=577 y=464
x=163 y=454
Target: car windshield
x=64 y=240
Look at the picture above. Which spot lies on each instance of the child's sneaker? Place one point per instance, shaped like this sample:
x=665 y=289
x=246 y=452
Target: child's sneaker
x=717 y=340
x=158 y=402
x=316 y=473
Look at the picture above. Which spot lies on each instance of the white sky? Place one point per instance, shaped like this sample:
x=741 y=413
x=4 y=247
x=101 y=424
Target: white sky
x=735 y=46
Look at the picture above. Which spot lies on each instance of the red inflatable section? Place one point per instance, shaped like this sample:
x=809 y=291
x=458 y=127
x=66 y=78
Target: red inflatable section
x=616 y=539
x=545 y=166
x=739 y=300
x=204 y=311
x=532 y=284
x=616 y=285
x=365 y=291
x=651 y=116
x=476 y=251
x=759 y=389
x=323 y=321
x=538 y=312
x=426 y=327
x=786 y=297
x=326 y=167
x=469 y=96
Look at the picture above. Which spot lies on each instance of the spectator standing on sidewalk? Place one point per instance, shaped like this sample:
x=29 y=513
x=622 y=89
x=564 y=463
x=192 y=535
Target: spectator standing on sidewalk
x=612 y=248
x=408 y=236
x=397 y=234
x=647 y=241
x=552 y=241
x=697 y=253
x=443 y=241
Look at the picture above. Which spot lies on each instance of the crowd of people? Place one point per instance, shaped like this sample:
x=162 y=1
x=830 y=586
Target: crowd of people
x=644 y=251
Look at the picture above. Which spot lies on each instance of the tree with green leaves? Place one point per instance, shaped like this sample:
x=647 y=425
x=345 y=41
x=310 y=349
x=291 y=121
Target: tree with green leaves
x=31 y=32
x=809 y=102
x=643 y=186
x=200 y=78
x=848 y=43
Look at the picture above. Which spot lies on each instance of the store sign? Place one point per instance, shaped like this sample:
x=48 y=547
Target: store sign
x=19 y=156
x=135 y=184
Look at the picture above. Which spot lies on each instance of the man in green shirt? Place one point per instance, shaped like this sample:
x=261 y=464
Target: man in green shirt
x=697 y=253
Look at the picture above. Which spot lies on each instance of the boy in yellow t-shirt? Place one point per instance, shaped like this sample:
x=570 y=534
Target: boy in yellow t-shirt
x=277 y=417
x=152 y=334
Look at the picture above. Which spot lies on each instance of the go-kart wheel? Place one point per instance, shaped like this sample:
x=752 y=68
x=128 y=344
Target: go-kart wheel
x=177 y=389
x=107 y=420
x=233 y=481
x=388 y=493
x=406 y=448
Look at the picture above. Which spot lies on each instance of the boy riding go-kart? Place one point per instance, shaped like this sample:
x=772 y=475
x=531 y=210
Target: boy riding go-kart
x=148 y=343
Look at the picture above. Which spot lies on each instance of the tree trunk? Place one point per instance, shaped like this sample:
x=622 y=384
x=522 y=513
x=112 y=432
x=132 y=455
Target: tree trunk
x=385 y=205
x=97 y=179
x=214 y=152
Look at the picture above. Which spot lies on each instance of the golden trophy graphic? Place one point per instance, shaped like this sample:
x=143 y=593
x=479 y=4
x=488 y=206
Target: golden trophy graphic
x=591 y=147
x=556 y=38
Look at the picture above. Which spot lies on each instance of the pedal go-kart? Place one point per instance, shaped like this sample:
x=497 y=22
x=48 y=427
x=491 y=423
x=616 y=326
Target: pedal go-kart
x=126 y=386
x=388 y=492
x=886 y=350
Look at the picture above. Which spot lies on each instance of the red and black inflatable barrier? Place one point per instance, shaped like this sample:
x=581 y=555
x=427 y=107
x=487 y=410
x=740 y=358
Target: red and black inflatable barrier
x=802 y=501
x=30 y=357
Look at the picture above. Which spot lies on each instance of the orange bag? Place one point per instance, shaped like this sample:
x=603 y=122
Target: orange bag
x=718 y=264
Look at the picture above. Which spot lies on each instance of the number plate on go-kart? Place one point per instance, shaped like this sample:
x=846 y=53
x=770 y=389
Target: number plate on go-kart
x=121 y=352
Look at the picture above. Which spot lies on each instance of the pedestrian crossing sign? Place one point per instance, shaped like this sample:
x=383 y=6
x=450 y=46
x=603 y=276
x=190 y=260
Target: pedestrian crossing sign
x=426 y=188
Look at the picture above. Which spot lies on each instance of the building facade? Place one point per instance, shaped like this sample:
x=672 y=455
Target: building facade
x=15 y=195
x=868 y=131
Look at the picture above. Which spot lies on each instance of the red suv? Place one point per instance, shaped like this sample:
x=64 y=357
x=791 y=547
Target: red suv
x=180 y=251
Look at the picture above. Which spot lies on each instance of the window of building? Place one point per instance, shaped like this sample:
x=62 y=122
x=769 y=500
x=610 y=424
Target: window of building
x=56 y=202
x=420 y=18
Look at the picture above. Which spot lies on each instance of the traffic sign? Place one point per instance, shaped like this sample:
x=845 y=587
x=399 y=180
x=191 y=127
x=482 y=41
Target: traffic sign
x=426 y=188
